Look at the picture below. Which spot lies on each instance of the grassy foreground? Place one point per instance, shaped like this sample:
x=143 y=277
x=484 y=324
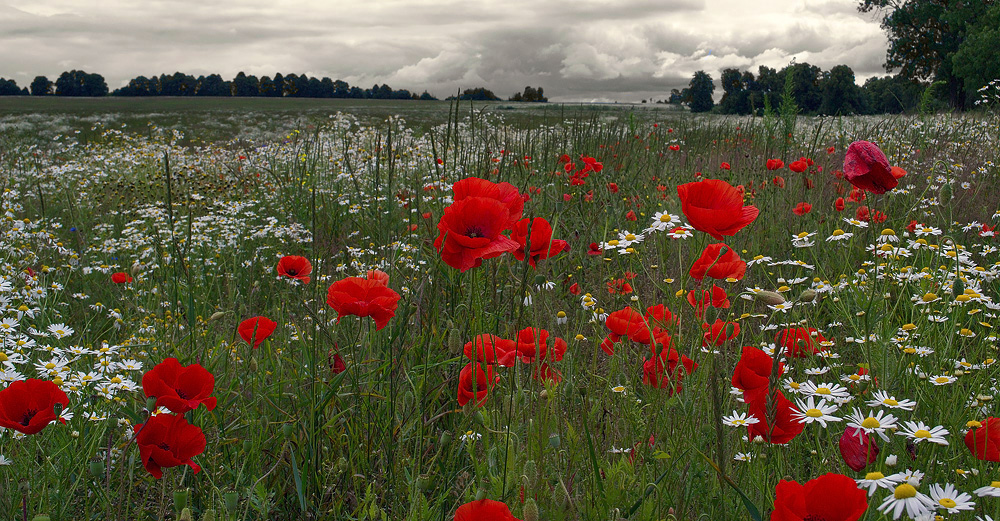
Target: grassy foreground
x=197 y=207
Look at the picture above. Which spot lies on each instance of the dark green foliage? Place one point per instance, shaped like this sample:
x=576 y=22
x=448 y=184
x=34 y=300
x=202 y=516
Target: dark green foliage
x=841 y=95
x=478 y=94
x=891 y=95
x=530 y=94
x=41 y=86
x=701 y=90
x=977 y=60
x=9 y=88
x=80 y=83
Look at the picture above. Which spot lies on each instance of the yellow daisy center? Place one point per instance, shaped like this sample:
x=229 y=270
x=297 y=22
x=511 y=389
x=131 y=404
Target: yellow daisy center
x=665 y=218
x=822 y=390
x=630 y=237
x=874 y=475
x=947 y=502
x=890 y=402
x=613 y=242
x=941 y=379
x=814 y=413
x=793 y=385
x=909 y=327
x=838 y=232
x=871 y=423
x=995 y=484
x=928 y=297
x=922 y=433
x=802 y=235
x=905 y=491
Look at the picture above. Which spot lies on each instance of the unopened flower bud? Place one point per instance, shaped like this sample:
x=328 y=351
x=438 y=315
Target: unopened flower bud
x=151 y=403
x=180 y=499
x=769 y=297
x=232 y=501
x=185 y=515
x=807 y=296
x=530 y=511
x=216 y=316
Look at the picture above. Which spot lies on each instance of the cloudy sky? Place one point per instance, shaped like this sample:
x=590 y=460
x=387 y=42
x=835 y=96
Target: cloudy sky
x=578 y=50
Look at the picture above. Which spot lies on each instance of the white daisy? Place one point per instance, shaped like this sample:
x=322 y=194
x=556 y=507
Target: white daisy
x=992 y=490
x=872 y=423
x=949 y=499
x=738 y=419
x=828 y=391
x=875 y=480
x=810 y=412
x=918 y=432
x=883 y=399
x=906 y=497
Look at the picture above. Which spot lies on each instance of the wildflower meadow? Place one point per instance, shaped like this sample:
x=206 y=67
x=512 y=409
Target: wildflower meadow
x=475 y=313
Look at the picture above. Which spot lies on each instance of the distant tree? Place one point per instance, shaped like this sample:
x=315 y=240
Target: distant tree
x=266 y=87
x=516 y=97
x=9 y=88
x=701 y=89
x=356 y=93
x=177 y=84
x=530 y=94
x=245 y=86
x=841 y=95
x=891 y=94
x=279 y=86
x=477 y=94
x=736 y=97
x=341 y=89
x=805 y=80
x=80 y=83
x=213 y=85
x=139 y=86
x=426 y=96
x=41 y=86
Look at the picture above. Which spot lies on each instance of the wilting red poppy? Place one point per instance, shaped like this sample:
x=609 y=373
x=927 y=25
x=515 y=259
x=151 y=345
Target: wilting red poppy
x=337 y=364
x=839 y=204
x=715 y=207
x=532 y=344
x=798 y=166
x=295 y=267
x=168 y=440
x=179 y=388
x=785 y=425
x=866 y=167
x=798 y=342
x=478 y=389
x=717 y=265
x=488 y=348
x=121 y=277
x=984 y=441
x=484 y=510
x=255 y=329
x=28 y=406
x=625 y=322
x=802 y=209
x=830 y=497
x=542 y=244
x=753 y=372
x=719 y=332
x=364 y=297
x=667 y=369
x=857 y=448
x=716 y=298
x=775 y=164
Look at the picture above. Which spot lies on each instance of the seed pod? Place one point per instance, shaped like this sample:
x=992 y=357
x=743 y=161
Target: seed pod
x=554 y=440
x=180 y=499
x=769 y=297
x=425 y=482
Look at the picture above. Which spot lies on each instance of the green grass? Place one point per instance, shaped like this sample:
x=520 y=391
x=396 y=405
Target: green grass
x=251 y=180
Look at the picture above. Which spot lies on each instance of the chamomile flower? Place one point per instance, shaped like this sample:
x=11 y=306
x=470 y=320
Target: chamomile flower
x=738 y=419
x=831 y=391
x=662 y=221
x=906 y=497
x=918 y=432
x=873 y=423
x=876 y=480
x=839 y=235
x=992 y=490
x=951 y=500
x=809 y=411
x=856 y=223
x=942 y=379
x=883 y=399
x=921 y=231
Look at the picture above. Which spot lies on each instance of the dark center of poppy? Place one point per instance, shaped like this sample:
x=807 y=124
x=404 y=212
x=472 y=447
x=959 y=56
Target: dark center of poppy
x=814 y=517
x=182 y=394
x=164 y=446
x=293 y=272
x=28 y=415
x=474 y=232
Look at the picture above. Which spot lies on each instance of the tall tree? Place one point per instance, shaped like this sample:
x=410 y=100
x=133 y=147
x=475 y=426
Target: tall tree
x=9 y=88
x=701 y=90
x=41 y=86
x=841 y=95
x=977 y=60
x=735 y=97
x=80 y=83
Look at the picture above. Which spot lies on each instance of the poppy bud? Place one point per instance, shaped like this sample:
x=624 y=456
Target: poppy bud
x=455 y=344
x=425 y=482
x=232 y=501
x=480 y=494
x=554 y=440
x=264 y=424
x=180 y=499
x=769 y=297
x=136 y=269
x=287 y=429
x=530 y=511
x=958 y=287
x=247 y=446
x=151 y=403
x=480 y=418
x=96 y=469
x=446 y=437
x=560 y=496
x=41 y=517
x=807 y=296
x=530 y=473
x=539 y=280
x=216 y=316
x=209 y=515
x=185 y=515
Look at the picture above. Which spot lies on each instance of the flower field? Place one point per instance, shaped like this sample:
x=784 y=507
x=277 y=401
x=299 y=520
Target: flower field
x=479 y=315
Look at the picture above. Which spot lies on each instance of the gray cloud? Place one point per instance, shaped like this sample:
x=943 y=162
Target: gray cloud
x=578 y=50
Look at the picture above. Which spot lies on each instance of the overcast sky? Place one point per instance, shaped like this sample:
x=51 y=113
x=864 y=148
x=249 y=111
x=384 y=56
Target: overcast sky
x=578 y=50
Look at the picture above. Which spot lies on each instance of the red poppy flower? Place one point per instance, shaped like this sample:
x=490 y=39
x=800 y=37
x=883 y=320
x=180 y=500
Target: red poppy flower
x=775 y=164
x=542 y=244
x=28 y=406
x=897 y=172
x=857 y=448
x=619 y=286
x=984 y=441
x=753 y=372
x=785 y=425
x=717 y=265
x=802 y=209
x=467 y=389
x=505 y=193
x=631 y=215
x=715 y=207
x=831 y=150
x=613 y=188
x=866 y=167
x=295 y=267
x=778 y=181
x=574 y=289
x=488 y=348
x=337 y=364
x=470 y=231
x=719 y=332
x=716 y=298
x=798 y=166
x=839 y=204
x=121 y=277
x=624 y=323
x=659 y=316
x=798 y=342
x=667 y=369
x=168 y=440
x=179 y=388
x=364 y=297
x=674 y=147
x=594 y=249
x=544 y=372
x=255 y=329
x=532 y=344
x=724 y=166
x=484 y=510
x=830 y=497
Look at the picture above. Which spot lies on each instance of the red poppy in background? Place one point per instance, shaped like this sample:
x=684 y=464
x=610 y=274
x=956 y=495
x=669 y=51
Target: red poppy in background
x=667 y=369
x=779 y=181
x=121 y=277
x=337 y=364
x=718 y=265
x=625 y=322
x=802 y=209
x=631 y=216
x=716 y=298
x=839 y=204
x=168 y=440
x=574 y=289
x=674 y=147
x=545 y=373
x=866 y=167
x=532 y=344
x=798 y=342
x=613 y=187
x=798 y=166
x=857 y=448
x=659 y=316
x=775 y=164
x=619 y=286
x=830 y=497
x=478 y=389
x=179 y=388
x=542 y=244
x=831 y=150
x=785 y=425
x=753 y=372
x=715 y=207
x=984 y=441
x=28 y=406
x=488 y=348
x=295 y=267
x=724 y=166
x=719 y=332
x=897 y=172
x=484 y=510
x=255 y=329
x=594 y=249
x=364 y=297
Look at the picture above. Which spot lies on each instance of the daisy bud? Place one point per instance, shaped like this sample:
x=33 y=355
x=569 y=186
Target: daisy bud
x=807 y=296
x=530 y=511
x=890 y=460
x=770 y=298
